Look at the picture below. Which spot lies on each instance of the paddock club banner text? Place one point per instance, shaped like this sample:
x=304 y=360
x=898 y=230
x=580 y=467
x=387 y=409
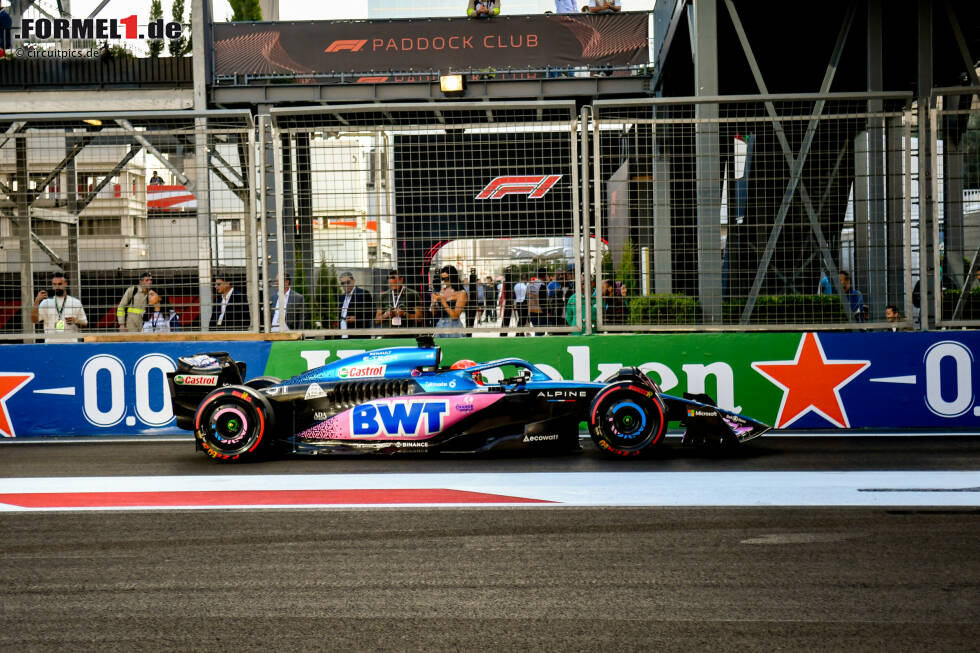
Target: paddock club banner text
x=520 y=42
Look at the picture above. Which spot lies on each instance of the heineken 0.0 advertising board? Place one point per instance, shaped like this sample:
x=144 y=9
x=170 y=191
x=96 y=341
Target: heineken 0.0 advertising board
x=883 y=380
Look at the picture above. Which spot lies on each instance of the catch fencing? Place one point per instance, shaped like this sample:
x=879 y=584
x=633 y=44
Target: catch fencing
x=954 y=191
x=107 y=197
x=673 y=214
x=753 y=213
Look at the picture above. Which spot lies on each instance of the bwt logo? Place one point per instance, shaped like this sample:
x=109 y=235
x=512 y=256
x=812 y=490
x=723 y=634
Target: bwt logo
x=404 y=418
x=534 y=186
x=352 y=45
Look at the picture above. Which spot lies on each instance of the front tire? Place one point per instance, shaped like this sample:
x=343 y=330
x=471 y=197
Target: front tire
x=627 y=420
x=232 y=424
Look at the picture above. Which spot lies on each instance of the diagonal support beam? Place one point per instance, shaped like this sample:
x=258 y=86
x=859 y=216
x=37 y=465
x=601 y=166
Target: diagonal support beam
x=217 y=155
x=43 y=246
x=75 y=150
x=964 y=49
x=967 y=284
x=240 y=191
x=15 y=128
x=795 y=163
x=133 y=151
x=142 y=140
x=237 y=186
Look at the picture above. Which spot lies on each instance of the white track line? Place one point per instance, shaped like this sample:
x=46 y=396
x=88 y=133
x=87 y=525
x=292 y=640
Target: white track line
x=749 y=489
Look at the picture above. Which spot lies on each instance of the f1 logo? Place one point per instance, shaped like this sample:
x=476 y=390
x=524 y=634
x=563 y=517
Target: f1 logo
x=534 y=186
x=351 y=44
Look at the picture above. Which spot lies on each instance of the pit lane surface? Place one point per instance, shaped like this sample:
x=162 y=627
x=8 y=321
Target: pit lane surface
x=487 y=578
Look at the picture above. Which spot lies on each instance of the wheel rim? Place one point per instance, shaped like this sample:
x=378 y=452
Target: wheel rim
x=228 y=425
x=627 y=423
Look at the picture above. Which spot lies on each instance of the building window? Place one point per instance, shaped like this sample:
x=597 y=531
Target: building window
x=99 y=226
x=46 y=227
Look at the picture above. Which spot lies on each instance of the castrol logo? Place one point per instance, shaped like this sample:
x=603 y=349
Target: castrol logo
x=190 y=379
x=361 y=371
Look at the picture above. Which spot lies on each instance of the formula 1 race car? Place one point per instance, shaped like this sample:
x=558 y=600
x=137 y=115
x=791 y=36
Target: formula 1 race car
x=400 y=400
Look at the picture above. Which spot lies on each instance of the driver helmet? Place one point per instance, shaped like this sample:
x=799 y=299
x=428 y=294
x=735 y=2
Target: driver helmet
x=465 y=363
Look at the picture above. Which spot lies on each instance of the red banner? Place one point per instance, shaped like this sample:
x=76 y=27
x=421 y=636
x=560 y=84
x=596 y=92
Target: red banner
x=432 y=45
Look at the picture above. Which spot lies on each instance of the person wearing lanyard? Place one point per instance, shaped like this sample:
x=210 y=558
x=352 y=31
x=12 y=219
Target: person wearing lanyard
x=355 y=304
x=402 y=306
x=154 y=320
x=62 y=314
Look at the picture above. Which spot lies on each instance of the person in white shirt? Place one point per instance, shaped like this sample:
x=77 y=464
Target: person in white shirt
x=565 y=7
x=355 y=304
x=289 y=312
x=520 y=302
x=157 y=319
x=604 y=6
x=230 y=312
x=62 y=315
x=483 y=8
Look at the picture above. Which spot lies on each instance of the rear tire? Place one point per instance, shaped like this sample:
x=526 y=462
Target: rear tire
x=232 y=424
x=627 y=420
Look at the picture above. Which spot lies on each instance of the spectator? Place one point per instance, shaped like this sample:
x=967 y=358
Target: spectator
x=604 y=6
x=565 y=7
x=505 y=299
x=824 y=287
x=402 y=305
x=520 y=301
x=157 y=319
x=892 y=314
x=62 y=319
x=570 y=310
x=289 y=313
x=483 y=8
x=448 y=304
x=559 y=290
x=492 y=290
x=613 y=303
x=537 y=299
x=6 y=23
x=355 y=304
x=481 y=302
x=132 y=306
x=232 y=314
x=854 y=297
x=156 y=179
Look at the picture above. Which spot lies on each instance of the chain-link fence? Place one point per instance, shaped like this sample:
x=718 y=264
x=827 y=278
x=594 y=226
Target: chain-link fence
x=492 y=218
x=122 y=205
x=955 y=186
x=753 y=213
x=408 y=217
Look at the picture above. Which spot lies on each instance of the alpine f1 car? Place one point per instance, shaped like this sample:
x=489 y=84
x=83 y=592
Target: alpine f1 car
x=401 y=400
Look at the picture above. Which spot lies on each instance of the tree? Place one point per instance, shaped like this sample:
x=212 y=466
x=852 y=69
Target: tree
x=323 y=307
x=245 y=10
x=626 y=274
x=180 y=46
x=155 y=45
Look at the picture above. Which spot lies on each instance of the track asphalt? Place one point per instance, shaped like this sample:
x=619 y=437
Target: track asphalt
x=892 y=573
